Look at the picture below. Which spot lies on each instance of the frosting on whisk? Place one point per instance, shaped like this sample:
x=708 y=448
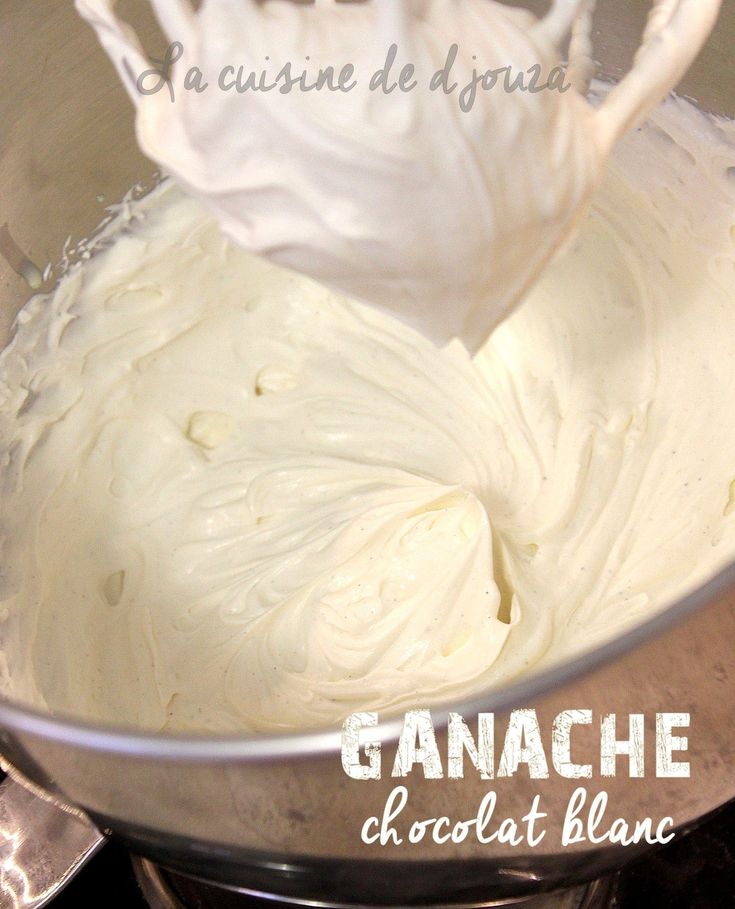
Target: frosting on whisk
x=439 y=215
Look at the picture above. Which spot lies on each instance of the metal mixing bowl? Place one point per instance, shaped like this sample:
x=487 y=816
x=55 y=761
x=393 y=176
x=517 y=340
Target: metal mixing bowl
x=278 y=813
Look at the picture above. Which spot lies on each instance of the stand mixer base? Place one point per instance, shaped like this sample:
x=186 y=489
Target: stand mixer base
x=164 y=889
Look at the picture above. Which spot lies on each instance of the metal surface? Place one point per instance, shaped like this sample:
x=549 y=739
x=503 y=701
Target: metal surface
x=279 y=814
x=42 y=847
x=164 y=890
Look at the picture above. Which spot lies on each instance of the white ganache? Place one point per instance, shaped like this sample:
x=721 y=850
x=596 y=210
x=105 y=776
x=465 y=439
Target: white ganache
x=440 y=204
x=232 y=500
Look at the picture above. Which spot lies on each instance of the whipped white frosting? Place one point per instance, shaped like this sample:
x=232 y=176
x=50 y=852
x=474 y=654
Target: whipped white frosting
x=438 y=215
x=232 y=500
